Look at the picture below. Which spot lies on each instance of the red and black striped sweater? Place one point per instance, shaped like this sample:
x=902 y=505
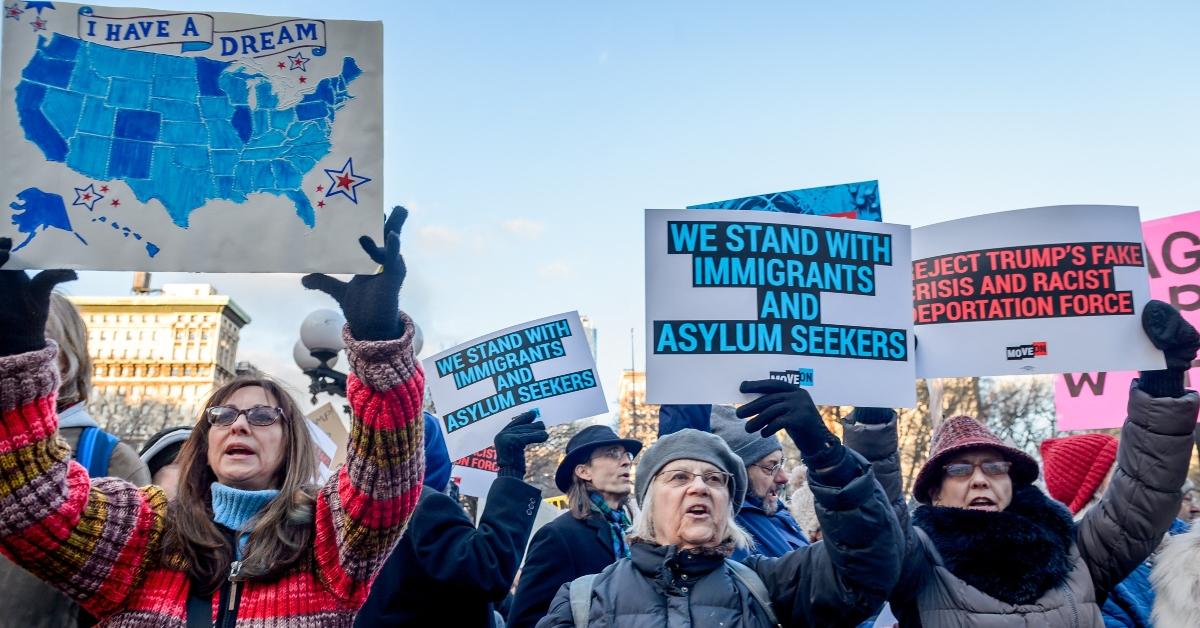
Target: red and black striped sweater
x=100 y=540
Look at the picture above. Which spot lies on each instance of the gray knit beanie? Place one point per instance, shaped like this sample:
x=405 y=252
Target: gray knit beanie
x=749 y=446
x=691 y=444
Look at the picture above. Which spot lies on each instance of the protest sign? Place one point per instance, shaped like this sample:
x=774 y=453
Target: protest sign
x=1097 y=400
x=476 y=472
x=138 y=139
x=326 y=449
x=331 y=423
x=821 y=302
x=1041 y=290
x=480 y=385
x=847 y=200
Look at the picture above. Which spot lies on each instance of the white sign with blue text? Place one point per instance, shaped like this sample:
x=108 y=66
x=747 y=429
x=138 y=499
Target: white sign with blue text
x=824 y=303
x=480 y=385
x=141 y=139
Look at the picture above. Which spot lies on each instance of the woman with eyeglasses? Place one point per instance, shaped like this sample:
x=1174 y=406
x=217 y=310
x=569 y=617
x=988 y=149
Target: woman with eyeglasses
x=249 y=540
x=680 y=573
x=988 y=548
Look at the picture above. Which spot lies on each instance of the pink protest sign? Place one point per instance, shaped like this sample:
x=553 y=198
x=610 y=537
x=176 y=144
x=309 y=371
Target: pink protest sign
x=1090 y=401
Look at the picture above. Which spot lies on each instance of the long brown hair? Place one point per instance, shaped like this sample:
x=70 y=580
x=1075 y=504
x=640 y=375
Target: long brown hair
x=281 y=533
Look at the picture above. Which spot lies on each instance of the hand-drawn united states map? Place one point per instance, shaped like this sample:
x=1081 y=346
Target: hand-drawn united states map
x=189 y=141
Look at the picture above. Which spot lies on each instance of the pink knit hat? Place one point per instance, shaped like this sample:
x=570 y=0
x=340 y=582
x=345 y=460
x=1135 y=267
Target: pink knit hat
x=963 y=432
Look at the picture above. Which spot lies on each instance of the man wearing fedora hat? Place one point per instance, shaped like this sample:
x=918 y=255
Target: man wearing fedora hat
x=597 y=476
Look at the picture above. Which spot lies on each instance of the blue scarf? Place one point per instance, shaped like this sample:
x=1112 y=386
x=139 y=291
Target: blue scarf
x=234 y=508
x=618 y=523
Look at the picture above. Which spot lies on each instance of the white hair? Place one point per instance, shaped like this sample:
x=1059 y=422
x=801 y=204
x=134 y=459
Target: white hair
x=643 y=525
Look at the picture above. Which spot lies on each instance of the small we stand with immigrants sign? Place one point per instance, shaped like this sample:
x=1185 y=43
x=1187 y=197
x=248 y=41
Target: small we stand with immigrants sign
x=135 y=138
x=480 y=385
x=820 y=302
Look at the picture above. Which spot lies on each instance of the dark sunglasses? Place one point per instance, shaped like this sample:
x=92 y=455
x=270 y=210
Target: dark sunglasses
x=963 y=469
x=258 y=416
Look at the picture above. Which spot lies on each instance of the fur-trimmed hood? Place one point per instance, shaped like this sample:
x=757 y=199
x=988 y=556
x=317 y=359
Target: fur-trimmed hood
x=1176 y=579
x=1016 y=555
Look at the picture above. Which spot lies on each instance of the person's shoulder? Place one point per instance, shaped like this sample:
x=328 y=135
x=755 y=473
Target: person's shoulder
x=125 y=463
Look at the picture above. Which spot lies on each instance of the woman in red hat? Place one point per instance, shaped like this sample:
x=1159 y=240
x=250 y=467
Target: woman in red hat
x=987 y=548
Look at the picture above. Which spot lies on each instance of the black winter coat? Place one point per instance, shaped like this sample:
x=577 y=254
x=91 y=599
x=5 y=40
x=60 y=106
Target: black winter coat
x=562 y=551
x=447 y=572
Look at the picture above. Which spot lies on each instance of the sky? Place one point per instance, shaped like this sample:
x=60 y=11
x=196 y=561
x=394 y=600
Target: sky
x=527 y=138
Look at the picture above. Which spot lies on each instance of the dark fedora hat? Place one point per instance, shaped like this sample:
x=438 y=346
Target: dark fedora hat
x=581 y=446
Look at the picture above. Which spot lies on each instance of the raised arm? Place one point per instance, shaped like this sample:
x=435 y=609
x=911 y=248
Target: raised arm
x=1152 y=461
x=849 y=575
x=93 y=540
x=362 y=510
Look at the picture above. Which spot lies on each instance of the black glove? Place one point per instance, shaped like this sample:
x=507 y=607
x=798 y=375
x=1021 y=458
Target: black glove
x=371 y=303
x=785 y=406
x=25 y=304
x=1178 y=341
x=511 y=442
x=873 y=416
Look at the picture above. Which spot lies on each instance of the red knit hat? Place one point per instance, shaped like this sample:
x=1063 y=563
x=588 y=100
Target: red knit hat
x=1076 y=465
x=963 y=432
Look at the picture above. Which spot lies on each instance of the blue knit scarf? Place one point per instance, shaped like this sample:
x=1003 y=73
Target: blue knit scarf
x=618 y=523
x=234 y=508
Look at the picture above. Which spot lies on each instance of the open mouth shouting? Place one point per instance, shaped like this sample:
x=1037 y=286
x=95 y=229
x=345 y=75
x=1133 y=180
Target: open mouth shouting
x=983 y=503
x=699 y=511
x=238 y=451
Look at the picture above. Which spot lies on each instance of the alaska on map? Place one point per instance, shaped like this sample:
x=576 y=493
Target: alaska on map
x=255 y=139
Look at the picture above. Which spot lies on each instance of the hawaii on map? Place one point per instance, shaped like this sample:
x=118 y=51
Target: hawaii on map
x=144 y=137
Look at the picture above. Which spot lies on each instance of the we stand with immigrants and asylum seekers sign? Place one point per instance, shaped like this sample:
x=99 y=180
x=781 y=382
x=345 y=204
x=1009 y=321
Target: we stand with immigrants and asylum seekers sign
x=1090 y=401
x=136 y=138
x=480 y=385
x=1041 y=290
x=820 y=302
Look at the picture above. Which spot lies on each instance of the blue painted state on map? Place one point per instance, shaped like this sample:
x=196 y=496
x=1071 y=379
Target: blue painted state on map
x=178 y=129
x=36 y=211
x=851 y=200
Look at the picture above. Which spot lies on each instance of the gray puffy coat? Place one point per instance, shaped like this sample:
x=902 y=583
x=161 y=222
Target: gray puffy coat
x=1111 y=540
x=838 y=582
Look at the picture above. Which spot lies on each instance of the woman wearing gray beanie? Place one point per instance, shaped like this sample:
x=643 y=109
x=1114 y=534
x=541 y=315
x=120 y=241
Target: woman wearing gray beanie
x=690 y=486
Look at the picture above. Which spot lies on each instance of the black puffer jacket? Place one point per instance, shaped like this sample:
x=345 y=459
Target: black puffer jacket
x=838 y=582
x=1114 y=537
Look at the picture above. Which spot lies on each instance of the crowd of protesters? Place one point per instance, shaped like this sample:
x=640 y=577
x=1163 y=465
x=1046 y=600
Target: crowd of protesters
x=222 y=523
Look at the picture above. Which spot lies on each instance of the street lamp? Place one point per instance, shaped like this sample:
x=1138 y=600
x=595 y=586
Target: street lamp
x=316 y=352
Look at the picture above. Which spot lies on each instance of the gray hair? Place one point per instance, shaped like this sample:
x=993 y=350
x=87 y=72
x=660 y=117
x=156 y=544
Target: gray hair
x=643 y=525
x=65 y=326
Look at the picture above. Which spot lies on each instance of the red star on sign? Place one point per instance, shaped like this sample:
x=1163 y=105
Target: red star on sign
x=87 y=197
x=104 y=188
x=303 y=79
x=116 y=202
x=13 y=11
x=320 y=203
x=320 y=188
x=39 y=24
x=345 y=181
x=282 y=65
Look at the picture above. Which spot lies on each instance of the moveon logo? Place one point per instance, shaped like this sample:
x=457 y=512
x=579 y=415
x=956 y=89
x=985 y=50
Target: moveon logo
x=800 y=377
x=1023 y=352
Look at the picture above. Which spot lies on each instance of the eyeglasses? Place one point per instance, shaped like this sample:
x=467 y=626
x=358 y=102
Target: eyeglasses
x=679 y=478
x=616 y=452
x=991 y=467
x=258 y=416
x=773 y=469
